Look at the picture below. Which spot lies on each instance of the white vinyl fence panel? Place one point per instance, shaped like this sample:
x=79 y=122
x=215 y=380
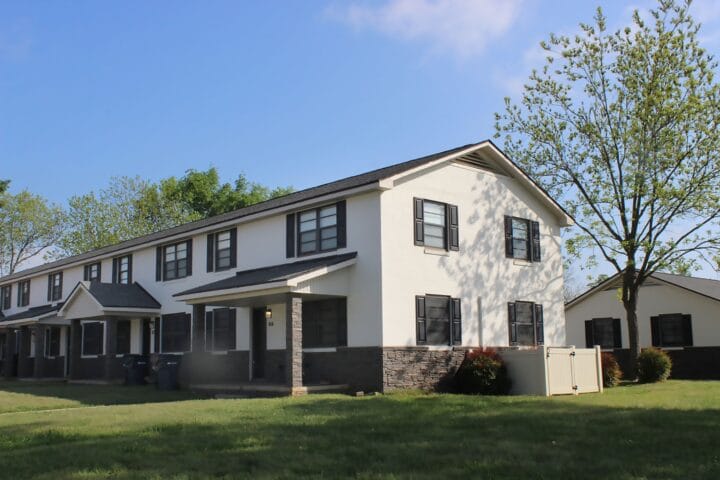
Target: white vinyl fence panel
x=554 y=370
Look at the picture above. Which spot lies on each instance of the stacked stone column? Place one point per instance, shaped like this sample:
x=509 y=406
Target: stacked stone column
x=293 y=344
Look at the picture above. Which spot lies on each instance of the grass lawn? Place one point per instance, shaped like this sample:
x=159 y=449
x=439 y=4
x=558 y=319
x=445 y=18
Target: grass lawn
x=670 y=430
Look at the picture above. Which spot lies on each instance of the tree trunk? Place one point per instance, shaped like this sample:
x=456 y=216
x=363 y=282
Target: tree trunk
x=629 y=298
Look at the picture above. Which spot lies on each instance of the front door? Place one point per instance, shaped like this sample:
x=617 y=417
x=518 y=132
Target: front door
x=259 y=343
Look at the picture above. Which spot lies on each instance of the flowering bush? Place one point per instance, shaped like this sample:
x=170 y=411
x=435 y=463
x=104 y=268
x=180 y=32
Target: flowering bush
x=483 y=372
x=611 y=371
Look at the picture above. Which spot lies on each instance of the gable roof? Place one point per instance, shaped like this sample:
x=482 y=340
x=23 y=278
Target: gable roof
x=344 y=184
x=275 y=273
x=706 y=287
x=115 y=295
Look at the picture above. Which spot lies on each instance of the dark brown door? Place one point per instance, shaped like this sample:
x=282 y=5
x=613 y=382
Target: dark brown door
x=146 y=337
x=259 y=343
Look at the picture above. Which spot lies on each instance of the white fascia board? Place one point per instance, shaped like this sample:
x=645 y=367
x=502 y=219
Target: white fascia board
x=131 y=310
x=28 y=321
x=294 y=281
x=374 y=186
x=230 y=293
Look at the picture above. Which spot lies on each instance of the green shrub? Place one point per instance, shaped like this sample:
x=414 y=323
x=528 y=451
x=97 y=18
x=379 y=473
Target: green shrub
x=611 y=371
x=483 y=372
x=654 y=365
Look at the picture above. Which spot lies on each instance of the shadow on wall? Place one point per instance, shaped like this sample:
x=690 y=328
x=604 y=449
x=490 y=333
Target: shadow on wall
x=485 y=268
x=402 y=437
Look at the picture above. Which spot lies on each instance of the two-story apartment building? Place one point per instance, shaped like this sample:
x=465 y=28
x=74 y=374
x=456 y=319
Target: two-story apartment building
x=379 y=281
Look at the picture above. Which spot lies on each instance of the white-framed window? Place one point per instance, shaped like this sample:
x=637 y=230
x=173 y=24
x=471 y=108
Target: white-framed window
x=522 y=239
x=52 y=342
x=92 y=272
x=23 y=293
x=223 y=250
x=55 y=281
x=122 y=269
x=525 y=322
x=318 y=230
x=176 y=258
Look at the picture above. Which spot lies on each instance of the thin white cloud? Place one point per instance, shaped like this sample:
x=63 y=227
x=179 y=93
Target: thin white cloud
x=461 y=27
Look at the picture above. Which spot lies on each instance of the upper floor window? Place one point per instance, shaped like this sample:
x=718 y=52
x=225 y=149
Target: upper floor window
x=318 y=230
x=436 y=224
x=526 y=323
x=55 y=287
x=522 y=239
x=122 y=269
x=438 y=320
x=91 y=272
x=177 y=260
x=222 y=250
x=23 y=299
x=5 y=297
x=604 y=332
x=671 y=330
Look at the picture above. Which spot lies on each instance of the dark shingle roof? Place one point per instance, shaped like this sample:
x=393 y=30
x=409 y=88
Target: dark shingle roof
x=302 y=195
x=116 y=295
x=704 y=286
x=275 y=273
x=32 y=312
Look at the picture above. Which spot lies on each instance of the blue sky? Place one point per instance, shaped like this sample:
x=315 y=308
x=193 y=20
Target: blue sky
x=289 y=93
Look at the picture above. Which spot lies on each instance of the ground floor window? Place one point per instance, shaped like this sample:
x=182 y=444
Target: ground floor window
x=52 y=342
x=124 y=328
x=671 y=330
x=604 y=332
x=324 y=323
x=3 y=339
x=93 y=336
x=220 y=328
x=175 y=333
x=438 y=320
x=525 y=322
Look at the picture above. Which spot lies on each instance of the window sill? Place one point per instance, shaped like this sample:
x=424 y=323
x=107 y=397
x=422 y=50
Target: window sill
x=522 y=263
x=320 y=350
x=672 y=348
x=217 y=352
x=439 y=348
x=441 y=252
x=170 y=280
x=89 y=357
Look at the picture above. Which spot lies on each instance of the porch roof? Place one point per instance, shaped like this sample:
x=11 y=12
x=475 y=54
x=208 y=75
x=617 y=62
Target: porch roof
x=30 y=315
x=274 y=276
x=103 y=299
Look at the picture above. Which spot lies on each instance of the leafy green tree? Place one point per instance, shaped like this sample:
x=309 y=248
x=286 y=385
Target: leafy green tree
x=29 y=226
x=624 y=128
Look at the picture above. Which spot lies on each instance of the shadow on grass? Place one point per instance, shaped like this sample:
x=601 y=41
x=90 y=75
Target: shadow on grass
x=398 y=437
x=94 y=394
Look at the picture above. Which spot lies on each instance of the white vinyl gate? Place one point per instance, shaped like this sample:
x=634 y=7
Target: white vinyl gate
x=554 y=370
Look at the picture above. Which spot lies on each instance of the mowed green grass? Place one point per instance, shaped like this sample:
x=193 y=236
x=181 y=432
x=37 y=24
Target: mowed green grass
x=669 y=430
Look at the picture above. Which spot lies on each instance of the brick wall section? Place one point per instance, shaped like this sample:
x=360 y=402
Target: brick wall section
x=9 y=369
x=275 y=366
x=420 y=367
x=690 y=363
x=358 y=367
x=26 y=364
x=209 y=368
x=293 y=342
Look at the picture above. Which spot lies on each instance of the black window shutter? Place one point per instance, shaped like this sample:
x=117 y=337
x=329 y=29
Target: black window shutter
x=157 y=335
x=209 y=340
x=115 y=271
x=130 y=269
x=86 y=273
x=617 y=333
x=61 y=285
x=49 y=295
x=456 y=321
x=290 y=235
x=233 y=248
x=420 y=320
x=512 y=326
x=232 y=315
x=589 y=341
x=188 y=327
x=189 y=257
x=539 y=325
x=508 y=237
x=158 y=264
x=341 y=224
x=655 y=331
x=687 y=330
x=419 y=219
x=535 y=241
x=453 y=229
x=210 y=252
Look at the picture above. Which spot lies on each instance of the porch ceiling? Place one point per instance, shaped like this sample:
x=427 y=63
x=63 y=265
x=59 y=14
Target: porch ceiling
x=266 y=284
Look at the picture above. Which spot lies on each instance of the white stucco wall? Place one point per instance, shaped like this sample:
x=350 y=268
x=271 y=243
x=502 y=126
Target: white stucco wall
x=652 y=300
x=479 y=273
